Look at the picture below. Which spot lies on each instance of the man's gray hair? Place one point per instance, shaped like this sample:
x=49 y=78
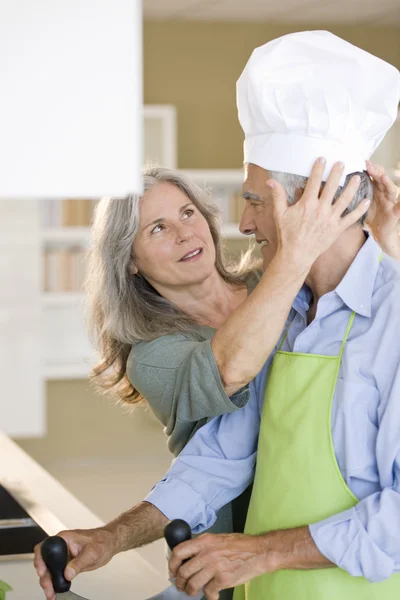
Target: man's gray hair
x=291 y=183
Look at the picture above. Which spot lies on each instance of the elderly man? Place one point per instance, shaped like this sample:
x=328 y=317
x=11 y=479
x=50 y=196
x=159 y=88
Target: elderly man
x=324 y=418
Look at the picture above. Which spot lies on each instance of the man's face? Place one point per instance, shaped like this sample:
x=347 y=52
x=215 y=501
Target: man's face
x=257 y=217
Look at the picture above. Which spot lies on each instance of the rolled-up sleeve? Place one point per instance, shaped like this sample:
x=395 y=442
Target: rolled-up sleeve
x=215 y=467
x=365 y=540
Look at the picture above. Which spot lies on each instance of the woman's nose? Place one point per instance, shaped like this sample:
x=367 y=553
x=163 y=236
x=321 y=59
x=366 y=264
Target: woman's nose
x=183 y=232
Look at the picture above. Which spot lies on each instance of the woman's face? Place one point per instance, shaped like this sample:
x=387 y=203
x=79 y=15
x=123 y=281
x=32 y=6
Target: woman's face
x=173 y=247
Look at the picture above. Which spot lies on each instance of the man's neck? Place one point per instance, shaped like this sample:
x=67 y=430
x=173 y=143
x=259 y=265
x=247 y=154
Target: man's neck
x=330 y=268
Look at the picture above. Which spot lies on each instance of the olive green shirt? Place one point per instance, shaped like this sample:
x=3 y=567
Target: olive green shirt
x=179 y=378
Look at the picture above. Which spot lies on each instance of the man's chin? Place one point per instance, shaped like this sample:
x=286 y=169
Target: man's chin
x=267 y=256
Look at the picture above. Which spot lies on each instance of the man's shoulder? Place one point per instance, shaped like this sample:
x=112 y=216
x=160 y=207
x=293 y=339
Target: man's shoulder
x=388 y=272
x=387 y=285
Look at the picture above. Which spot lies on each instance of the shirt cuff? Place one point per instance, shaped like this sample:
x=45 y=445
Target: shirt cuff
x=344 y=541
x=178 y=500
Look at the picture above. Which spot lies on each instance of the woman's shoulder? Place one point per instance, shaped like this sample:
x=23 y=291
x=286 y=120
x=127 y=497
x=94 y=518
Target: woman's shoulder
x=168 y=351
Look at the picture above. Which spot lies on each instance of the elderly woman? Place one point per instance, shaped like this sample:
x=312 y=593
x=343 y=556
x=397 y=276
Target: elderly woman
x=177 y=327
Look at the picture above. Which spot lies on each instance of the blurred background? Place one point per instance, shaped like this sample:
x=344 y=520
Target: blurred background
x=193 y=53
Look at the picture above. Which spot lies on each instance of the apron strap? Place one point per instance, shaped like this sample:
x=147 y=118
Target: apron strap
x=284 y=336
x=346 y=335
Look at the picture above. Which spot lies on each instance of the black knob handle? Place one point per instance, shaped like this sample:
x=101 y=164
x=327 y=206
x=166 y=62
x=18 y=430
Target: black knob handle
x=176 y=532
x=55 y=554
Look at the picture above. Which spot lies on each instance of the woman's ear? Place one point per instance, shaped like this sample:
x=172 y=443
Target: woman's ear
x=133 y=268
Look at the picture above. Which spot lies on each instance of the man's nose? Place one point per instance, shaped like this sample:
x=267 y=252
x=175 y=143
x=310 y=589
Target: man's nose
x=246 y=225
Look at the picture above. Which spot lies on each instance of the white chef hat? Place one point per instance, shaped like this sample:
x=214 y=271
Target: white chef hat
x=312 y=94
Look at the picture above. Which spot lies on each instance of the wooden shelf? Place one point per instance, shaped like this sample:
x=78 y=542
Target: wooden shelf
x=66 y=235
x=65 y=370
x=219 y=177
x=62 y=298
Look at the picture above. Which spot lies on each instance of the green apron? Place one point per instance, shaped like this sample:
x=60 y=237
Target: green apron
x=298 y=481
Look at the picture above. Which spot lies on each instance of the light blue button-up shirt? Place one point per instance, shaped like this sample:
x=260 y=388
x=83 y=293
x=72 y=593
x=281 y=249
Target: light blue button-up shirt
x=218 y=463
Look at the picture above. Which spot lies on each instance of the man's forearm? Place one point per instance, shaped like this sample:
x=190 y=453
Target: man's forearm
x=292 y=549
x=139 y=526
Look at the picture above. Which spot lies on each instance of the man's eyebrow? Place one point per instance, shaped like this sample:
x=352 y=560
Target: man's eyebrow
x=157 y=221
x=250 y=196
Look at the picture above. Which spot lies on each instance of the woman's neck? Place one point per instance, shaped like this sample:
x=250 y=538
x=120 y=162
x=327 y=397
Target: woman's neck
x=209 y=302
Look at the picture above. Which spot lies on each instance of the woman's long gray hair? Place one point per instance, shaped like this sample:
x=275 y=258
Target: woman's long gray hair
x=123 y=309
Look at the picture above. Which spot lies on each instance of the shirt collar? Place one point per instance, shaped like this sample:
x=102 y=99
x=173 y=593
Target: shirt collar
x=357 y=286
x=301 y=303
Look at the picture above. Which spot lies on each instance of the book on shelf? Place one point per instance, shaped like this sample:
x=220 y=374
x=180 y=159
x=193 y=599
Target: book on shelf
x=67 y=212
x=230 y=201
x=64 y=269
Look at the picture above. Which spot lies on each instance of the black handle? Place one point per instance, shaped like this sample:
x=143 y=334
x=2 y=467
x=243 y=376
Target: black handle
x=55 y=554
x=176 y=532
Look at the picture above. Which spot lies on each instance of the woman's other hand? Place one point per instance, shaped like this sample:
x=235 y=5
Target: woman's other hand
x=383 y=218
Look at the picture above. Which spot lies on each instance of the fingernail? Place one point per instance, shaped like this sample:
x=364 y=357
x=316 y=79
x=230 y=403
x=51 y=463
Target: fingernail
x=367 y=203
x=322 y=160
x=340 y=165
x=271 y=185
x=69 y=573
x=357 y=179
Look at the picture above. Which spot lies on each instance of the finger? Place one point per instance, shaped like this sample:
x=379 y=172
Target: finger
x=47 y=585
x=396 y=210
x=279 y=198
x=332 y=183
x=189 y=569
x=314 y=181
x=347 y=196
x=355 y=214
x=390 y=188
x=86 y=560
x=38 y=561
x=182 y=552
x=199 y=581
x=211 y=591
x=374 y=170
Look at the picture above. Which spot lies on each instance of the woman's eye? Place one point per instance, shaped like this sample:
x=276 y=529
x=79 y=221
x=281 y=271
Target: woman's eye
x=189 y=212
x=157 y=228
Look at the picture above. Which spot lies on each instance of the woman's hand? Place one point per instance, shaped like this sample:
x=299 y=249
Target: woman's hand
x=384 y=214
x=89 y=549
x=311 y=225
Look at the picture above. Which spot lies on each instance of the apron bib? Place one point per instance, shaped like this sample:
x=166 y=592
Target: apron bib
x=298 y=480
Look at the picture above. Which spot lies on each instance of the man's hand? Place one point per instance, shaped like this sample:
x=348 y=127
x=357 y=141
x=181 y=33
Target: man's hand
x=222 y=561
x=384 y=214
x=89 y=549
x=218 y=562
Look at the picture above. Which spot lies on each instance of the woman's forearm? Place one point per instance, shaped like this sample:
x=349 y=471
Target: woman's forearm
x=244 y=342
x=391 y=246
